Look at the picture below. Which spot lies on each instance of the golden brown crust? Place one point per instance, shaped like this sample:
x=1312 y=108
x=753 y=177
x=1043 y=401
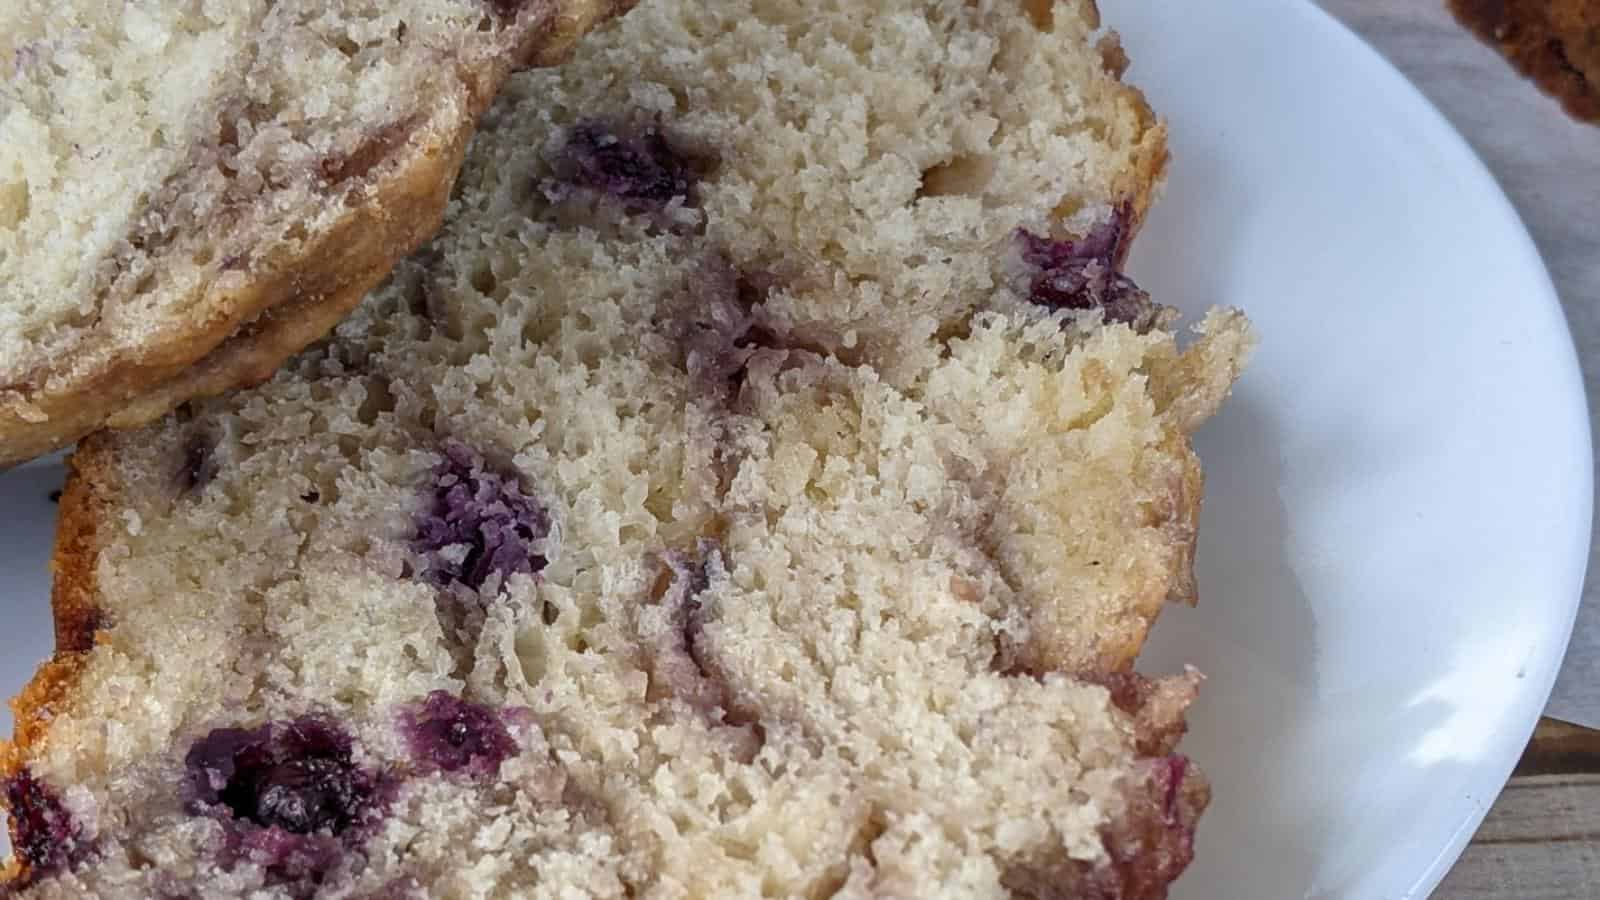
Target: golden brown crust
x=73 y=592
x=91 y=481
x=74 y=601
x=1554 y=42
x=1144 y=177
x=1115 y=649
x=1147 y=169
x=224 y=340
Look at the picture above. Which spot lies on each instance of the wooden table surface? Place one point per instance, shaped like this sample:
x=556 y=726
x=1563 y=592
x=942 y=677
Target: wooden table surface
x=1541 y=841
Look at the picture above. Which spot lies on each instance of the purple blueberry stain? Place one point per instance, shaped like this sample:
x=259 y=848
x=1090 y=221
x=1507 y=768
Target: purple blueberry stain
x=289 y=794
x=1084 y=274
x=640 y=168
x=477 y=522
x=1105 y=243
x=1154 y=841
x=1170 y=774
x=45 y=836
x=683 y=664
x=300 y=862
x=716 y=323
x=449 y=734
x=692 y=619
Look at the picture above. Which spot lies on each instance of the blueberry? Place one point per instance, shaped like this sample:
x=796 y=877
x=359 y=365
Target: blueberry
x=454 y=735
x=486 y=512
x=1084 y=274
x=289 y=796
x=296 y=776
x=300 y=796
x=640 y=169
x=45 y=836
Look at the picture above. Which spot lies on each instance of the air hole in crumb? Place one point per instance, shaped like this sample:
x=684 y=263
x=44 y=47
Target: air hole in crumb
x=484 y=282
x=378 y=401
x=203 y=256
x=965 y=175
x=14 y=203
x=871 y=828
x=1042 y=13
x=1067 y=208
x=371 y=152
x=346 y=46
x=296 y=231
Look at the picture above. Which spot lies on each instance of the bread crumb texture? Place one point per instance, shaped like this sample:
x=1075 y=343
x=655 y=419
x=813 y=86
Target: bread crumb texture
x=759 y=488
x=172 y=170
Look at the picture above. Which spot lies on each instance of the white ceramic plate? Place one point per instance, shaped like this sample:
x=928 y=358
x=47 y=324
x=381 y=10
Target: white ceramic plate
x=1398 y=497
x=1398 y=510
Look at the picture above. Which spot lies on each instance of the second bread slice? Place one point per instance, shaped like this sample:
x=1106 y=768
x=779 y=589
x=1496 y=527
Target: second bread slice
x=190 y=192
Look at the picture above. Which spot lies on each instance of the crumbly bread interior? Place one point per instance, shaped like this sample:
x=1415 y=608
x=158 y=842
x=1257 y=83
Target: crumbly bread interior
x=163 y=163
x=723 y=462
x=868 y=157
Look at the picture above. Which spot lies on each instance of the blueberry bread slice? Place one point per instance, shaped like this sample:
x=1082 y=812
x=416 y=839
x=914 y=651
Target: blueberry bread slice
x=190 y=192
x=644 y=536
